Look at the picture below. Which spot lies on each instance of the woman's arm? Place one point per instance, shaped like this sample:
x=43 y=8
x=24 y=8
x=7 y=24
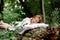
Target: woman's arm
x=37 y=25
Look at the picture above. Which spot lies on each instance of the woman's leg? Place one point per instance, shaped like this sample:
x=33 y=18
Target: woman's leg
x=4 y=26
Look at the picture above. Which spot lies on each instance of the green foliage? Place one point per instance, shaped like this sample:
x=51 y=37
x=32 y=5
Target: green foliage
x=12 y=11
x=52 y=12
x=9 y=16
x=31 y=7
x=55 y=17
x=8 y=35
x=34 y=6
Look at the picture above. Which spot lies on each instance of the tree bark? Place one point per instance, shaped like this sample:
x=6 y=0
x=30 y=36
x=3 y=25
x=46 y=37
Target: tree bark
x=43 y=11
x=1 y=8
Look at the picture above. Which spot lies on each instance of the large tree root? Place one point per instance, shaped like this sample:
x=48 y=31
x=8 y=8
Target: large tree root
x=49 y=33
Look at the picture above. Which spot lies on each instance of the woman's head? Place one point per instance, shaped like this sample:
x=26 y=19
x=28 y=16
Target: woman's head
x=36 y=19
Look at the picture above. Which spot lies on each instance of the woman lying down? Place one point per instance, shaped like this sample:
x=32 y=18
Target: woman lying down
x=27 y=23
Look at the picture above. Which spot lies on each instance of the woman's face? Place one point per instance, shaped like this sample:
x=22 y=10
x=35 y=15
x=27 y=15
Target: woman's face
x=35 y=20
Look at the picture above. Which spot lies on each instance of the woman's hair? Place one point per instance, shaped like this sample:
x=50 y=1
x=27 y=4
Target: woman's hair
x=40 y=18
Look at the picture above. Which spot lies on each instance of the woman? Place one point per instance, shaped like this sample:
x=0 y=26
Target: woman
x=27 y=23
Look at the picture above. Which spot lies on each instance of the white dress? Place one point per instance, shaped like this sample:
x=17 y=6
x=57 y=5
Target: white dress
x=26 y=24
x=25 y=21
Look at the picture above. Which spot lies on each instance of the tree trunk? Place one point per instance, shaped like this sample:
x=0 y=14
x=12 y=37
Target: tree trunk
x=26 y=8
x=43 y=11
x=1 y=8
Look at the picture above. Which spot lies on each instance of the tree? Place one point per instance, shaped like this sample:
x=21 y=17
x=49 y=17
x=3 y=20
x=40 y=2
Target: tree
x=31 y=7
x=26 y=8
x=1 y=8
x=43 y=11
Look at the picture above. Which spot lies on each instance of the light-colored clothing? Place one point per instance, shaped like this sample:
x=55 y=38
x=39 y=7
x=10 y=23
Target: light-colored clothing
x=32 y=26
x=25 y=21
x=26 y=24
